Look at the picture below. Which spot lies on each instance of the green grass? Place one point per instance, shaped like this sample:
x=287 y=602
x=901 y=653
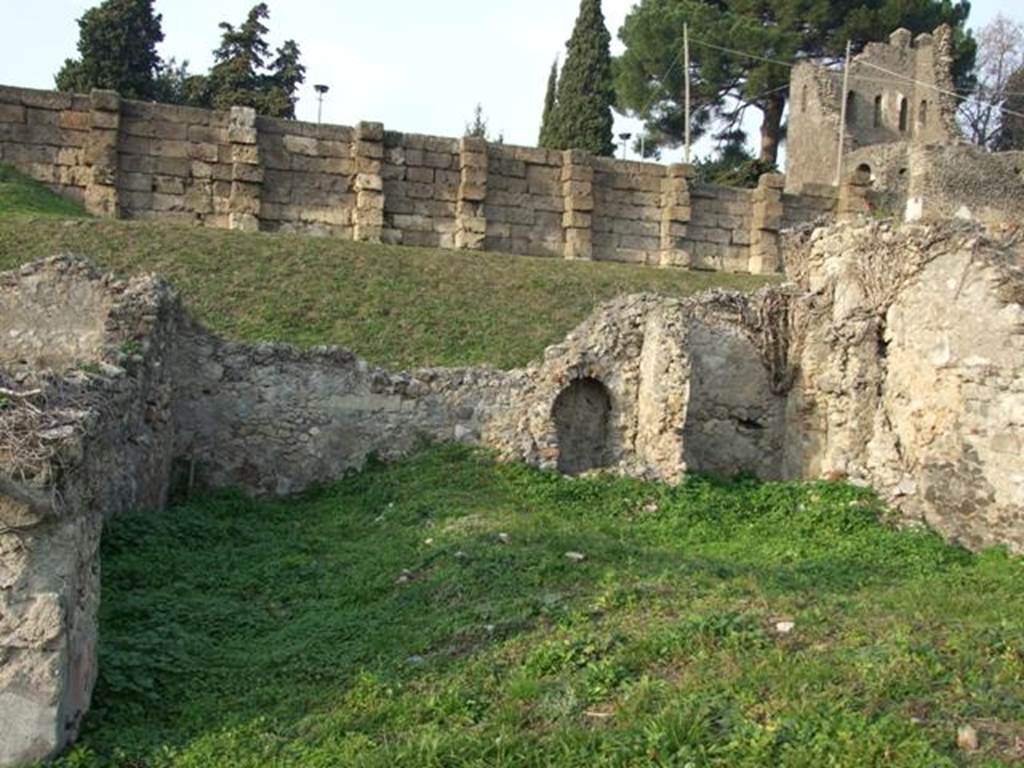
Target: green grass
x=382 y=622
x=20 y=196
x=400 y=307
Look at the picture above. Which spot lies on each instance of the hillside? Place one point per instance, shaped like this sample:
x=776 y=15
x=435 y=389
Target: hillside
x=396 y=306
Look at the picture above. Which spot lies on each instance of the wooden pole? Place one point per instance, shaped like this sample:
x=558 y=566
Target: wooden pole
x=842 y=117
x=686 y=75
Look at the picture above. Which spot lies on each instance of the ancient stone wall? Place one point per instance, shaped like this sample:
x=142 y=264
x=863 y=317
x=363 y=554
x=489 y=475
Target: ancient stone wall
x=421 y=176
x=894 y=360
x=238 y=170
x=909 y=353
x=272 y=419
x=86 y=437
x=47 y=135
x=308 y=177
x=965 y=182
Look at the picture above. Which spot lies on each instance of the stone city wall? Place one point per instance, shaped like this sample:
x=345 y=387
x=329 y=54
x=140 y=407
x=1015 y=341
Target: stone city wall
x=238 y=170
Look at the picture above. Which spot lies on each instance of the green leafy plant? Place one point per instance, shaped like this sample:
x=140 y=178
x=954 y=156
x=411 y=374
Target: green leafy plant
x=246 y=632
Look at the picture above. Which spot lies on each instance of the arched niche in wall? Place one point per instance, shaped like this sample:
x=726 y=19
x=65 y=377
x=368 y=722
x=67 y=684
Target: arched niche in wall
x=922 y=114
x=851 y=108
x=878 y=111
x=582 y=414
x=904 y=114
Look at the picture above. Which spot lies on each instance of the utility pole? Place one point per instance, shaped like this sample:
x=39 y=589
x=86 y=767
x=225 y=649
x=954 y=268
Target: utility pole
x=842 y=116
x=686 y=75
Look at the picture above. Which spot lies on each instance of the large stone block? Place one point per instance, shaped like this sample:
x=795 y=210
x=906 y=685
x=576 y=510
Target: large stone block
x=370 y=132
x=104 y=101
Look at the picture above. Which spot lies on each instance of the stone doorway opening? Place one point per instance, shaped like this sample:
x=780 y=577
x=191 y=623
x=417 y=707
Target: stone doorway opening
x=582 y=413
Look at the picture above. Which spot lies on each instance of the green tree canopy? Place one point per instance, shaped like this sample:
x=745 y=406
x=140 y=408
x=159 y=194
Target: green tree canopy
x=650 y=77
x=243 y=75
x=585 y=94
x=548 y=117
x=117 y=49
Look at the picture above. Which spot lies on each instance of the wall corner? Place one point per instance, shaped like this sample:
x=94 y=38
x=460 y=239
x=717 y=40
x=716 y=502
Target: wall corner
x=470 y=216
x=368 y=153
x=578 y=204
x=765 y=243
x=101 y=154
x=676 y=213
x=246 y=170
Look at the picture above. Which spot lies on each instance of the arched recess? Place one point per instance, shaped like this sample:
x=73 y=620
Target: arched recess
x=878 y=111
x=582 y=414
x=904 y=114
x=851 y=108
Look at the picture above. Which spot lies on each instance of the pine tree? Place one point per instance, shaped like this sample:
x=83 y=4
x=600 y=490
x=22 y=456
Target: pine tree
x=241 y=77
x=117 y=46
x=547 y=123
x=649 y=79
x=583 y=115
x=282 y=84
x=235 y=77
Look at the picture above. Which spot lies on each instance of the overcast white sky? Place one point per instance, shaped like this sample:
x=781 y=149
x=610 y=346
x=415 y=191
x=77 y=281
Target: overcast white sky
x=416 y=66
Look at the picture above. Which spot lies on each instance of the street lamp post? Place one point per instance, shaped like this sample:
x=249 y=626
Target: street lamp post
x=625 y=137
x=320 y=91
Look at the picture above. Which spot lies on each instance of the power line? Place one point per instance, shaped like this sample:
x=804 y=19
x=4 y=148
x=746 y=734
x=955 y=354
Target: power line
x=943 y=91
x=790 y=65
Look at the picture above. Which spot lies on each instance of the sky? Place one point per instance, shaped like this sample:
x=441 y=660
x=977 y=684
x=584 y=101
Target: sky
x=418 y=67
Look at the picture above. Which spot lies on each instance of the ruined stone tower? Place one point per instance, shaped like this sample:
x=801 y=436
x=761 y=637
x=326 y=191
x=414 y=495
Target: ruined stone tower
x=899 y=95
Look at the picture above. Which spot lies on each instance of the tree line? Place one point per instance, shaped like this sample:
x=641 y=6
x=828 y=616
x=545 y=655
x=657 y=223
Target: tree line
x=117 y=44
x=739 y=61
x=740 y=54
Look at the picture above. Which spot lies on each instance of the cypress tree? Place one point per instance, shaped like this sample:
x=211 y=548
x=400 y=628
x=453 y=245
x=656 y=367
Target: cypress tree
x=585 y=94
x=117 y=45
x=547 y=122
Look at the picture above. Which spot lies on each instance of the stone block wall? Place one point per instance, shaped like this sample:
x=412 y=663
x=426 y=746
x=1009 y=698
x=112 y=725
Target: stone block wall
x=308 y=177
x=237 y=170
x=420 y=179
x=46 y=135
x=627 y=211
x=173 y=164
x=525 y=205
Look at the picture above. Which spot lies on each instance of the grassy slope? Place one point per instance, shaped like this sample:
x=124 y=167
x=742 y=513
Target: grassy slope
x=400 y=307
x=20 y=196
x=239 y=633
